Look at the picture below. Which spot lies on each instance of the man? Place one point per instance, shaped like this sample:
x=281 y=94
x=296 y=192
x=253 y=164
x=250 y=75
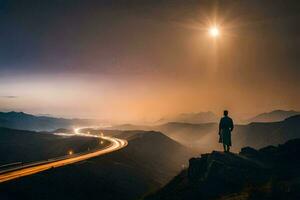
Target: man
x=225 y=128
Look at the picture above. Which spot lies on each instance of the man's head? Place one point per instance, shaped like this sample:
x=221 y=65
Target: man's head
x=225 y=112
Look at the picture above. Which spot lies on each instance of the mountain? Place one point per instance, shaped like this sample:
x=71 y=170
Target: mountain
x=261 y=134
x=273 y=116
x=192 y=135
x=24 y=121
x=265 y=174
x=195 y=118
x=149 y=161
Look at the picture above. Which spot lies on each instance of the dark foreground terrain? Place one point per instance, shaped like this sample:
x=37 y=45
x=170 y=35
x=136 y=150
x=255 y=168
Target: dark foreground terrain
x=264 y=174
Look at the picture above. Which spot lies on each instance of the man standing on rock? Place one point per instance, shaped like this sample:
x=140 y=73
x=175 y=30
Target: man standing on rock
x=225 y=128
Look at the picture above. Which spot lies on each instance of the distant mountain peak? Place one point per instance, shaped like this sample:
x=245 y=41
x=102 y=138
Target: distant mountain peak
x=272 y=116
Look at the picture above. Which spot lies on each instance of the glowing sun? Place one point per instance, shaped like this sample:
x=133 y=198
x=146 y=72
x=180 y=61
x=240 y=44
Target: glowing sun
x=214 y=31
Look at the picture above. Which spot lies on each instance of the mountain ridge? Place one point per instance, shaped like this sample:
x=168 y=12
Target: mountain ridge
x=273 y=116
x=193 y=117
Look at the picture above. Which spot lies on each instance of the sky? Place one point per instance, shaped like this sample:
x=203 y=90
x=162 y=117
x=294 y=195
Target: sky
x=141 y=60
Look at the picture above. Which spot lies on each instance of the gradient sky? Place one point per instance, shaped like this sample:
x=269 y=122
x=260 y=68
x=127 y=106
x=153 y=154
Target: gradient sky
x=145 y=59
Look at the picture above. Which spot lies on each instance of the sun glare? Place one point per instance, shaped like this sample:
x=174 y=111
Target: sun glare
x=214 y=31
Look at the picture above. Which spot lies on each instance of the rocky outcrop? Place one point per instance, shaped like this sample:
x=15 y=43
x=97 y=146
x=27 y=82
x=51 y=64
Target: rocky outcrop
x=268 y=173
x=220 y=172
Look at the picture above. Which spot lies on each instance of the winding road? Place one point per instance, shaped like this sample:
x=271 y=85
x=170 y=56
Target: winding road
x=32 y=168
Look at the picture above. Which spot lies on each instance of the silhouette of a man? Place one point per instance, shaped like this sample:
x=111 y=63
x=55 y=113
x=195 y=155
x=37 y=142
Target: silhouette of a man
x=225 y=129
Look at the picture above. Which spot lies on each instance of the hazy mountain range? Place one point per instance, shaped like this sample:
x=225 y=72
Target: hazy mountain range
x=24 y=121
x=208 y=117
x=201 y=136
x=273 y=116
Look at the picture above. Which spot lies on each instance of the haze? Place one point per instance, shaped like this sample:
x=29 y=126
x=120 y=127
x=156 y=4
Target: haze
x=142 y=60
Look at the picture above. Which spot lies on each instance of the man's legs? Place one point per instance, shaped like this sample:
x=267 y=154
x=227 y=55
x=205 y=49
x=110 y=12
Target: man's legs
x=226 y=148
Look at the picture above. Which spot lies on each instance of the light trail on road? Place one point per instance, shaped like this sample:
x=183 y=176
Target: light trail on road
x=32 y=168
